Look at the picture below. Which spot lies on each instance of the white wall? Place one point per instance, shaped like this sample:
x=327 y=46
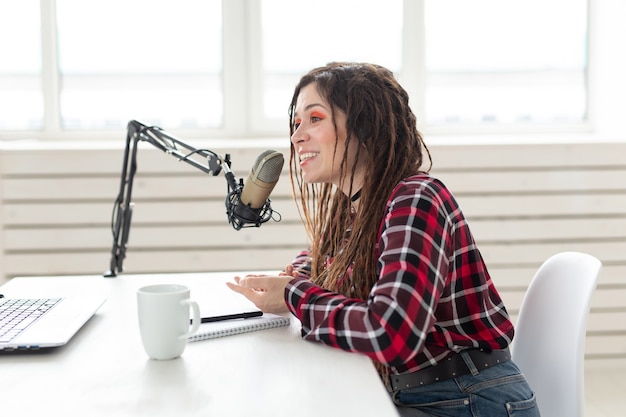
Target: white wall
x=525 y=202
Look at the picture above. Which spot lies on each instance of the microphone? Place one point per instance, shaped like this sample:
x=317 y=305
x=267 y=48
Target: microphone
x=248 y=205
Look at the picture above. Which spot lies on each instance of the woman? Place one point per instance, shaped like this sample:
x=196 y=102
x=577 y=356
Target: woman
x=393 y=271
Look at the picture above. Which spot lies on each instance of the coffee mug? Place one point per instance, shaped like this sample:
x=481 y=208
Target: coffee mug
x=163 y=312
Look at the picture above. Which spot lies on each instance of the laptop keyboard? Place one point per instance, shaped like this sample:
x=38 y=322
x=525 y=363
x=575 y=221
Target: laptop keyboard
x=16 y=314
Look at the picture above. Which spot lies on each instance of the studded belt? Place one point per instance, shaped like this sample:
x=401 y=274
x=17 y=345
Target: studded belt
x=451 y=367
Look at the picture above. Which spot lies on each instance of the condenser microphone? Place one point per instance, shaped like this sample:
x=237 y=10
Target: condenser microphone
x=249 y=204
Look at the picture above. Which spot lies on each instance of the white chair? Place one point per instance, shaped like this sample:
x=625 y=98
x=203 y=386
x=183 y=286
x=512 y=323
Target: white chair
x=549 y=343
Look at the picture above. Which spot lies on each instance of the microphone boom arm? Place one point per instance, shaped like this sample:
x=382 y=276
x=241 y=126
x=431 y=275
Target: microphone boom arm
x=122 y=212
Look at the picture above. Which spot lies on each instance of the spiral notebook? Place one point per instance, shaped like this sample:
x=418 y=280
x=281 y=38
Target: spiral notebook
x=233 y=327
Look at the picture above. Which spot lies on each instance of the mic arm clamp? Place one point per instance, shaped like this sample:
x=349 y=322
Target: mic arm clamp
x=123 y=208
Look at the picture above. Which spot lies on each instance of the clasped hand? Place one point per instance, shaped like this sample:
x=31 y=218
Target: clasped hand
x=267 y=292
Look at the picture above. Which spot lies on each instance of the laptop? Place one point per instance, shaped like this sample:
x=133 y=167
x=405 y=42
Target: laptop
x=37 y=323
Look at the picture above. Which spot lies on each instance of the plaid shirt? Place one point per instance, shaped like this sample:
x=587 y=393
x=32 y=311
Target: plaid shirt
x=433 y=294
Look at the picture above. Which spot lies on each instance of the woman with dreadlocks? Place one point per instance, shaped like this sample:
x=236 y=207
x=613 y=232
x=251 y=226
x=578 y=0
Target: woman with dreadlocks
x=393 y=271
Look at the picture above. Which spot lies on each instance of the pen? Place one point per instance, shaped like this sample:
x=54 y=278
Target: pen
x=245 y=315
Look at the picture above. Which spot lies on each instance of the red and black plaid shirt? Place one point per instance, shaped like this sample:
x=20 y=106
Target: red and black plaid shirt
x=433 y=294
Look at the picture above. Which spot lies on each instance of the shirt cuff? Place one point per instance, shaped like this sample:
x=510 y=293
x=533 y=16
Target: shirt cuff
x=296 y=294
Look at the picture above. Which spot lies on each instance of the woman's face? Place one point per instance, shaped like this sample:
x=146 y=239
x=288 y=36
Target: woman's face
x=314 y=140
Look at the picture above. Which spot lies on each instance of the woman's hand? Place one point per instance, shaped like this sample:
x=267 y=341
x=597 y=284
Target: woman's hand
x=267 y=292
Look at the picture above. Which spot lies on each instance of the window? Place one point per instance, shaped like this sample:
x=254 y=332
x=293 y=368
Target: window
x=155 y=61
x=227 y=68
x=21 y=98
x=505 y=62
x=297 y=37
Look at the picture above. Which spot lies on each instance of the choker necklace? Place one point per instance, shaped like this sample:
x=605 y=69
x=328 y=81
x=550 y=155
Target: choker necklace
x=356 y=196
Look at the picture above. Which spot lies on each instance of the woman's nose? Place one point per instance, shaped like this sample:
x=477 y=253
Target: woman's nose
x=299 y=135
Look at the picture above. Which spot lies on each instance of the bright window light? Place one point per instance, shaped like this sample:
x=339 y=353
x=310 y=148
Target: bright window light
x=499 y=62
x=21 y=98
x=155 y=61
x=318 y=33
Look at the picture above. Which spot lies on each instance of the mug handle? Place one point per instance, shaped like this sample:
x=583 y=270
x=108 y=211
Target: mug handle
x=195 y=321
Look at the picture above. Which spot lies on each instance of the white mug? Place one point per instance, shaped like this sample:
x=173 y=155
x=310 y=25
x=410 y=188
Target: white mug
x=163 y=312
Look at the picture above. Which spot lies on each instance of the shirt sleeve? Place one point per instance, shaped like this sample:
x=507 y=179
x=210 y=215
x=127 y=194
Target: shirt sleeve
x=302 y=264
x=391 y=326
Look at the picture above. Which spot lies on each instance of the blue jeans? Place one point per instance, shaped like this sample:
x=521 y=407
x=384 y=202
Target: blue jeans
x=499 y=391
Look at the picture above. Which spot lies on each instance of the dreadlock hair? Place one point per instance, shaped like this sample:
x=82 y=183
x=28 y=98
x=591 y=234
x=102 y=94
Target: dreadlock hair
x=380 y=120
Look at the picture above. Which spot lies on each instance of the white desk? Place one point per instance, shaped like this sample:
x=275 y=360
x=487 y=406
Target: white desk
x=104 y=370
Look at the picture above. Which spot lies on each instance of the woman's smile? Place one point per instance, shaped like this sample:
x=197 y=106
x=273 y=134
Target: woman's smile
x=307 y=156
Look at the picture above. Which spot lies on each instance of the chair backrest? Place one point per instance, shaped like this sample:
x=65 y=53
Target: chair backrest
x=549 y=341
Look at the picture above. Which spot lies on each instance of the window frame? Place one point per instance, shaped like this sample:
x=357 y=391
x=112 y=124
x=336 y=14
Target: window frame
x=243 y=95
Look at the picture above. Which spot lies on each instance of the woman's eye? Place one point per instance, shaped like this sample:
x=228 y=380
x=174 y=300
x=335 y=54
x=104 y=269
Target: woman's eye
x=316 y=117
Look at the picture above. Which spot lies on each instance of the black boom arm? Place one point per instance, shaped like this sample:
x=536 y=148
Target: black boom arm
x=203 y=159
